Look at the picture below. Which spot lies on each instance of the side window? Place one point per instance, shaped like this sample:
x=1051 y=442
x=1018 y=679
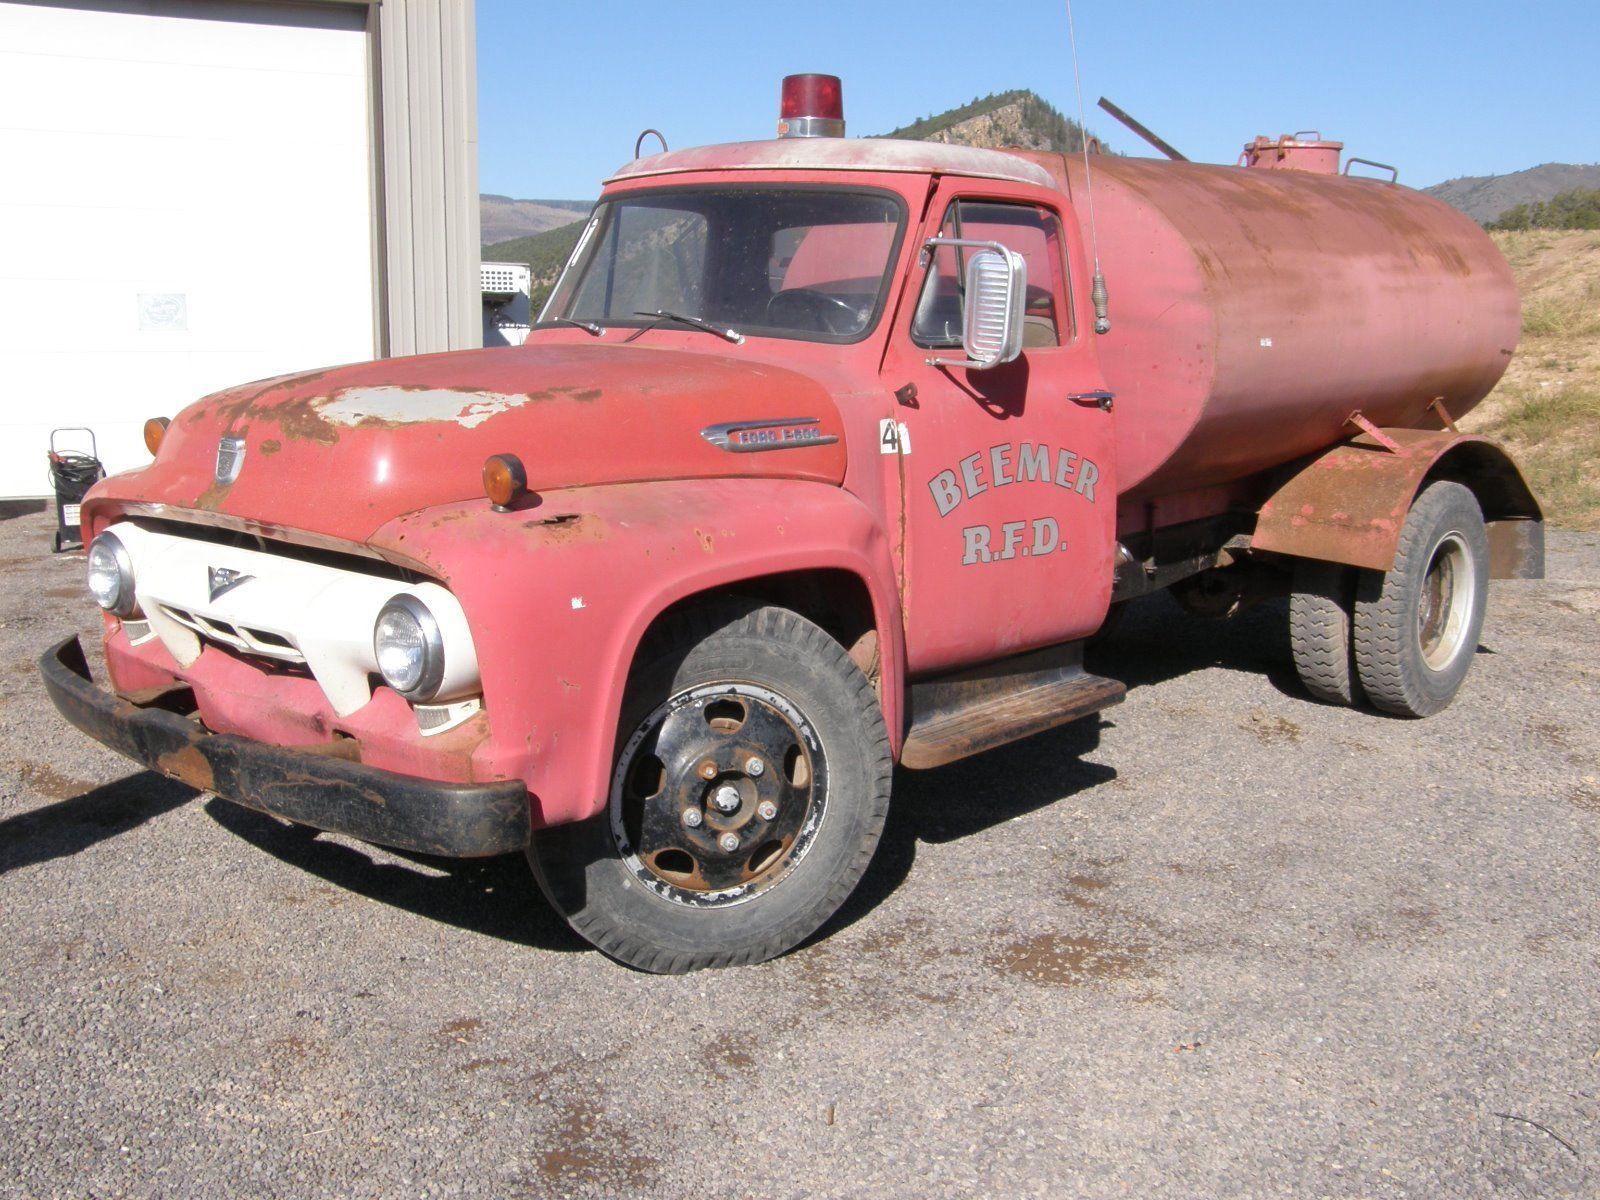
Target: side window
x=1032 y=232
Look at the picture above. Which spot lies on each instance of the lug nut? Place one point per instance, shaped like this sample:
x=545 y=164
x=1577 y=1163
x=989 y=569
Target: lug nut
x=767 y=810
x=729 y=842
x=754 y=768
x=692 y=818
x=725 y=798
x=707 y=769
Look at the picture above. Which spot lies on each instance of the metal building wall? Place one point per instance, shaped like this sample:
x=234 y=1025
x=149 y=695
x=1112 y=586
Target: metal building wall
x=426 y=118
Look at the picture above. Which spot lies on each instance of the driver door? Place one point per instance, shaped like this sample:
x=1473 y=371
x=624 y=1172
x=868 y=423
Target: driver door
x=1006 y=481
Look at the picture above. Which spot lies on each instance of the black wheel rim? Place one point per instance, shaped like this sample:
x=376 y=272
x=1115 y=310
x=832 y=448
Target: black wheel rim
x=718 y=794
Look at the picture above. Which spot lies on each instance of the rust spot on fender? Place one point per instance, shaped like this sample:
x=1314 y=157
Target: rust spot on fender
x=707 y=543
x=568 y=527
x=271 y=446
x=211 y=499
x=188 y=765
x=581 y=395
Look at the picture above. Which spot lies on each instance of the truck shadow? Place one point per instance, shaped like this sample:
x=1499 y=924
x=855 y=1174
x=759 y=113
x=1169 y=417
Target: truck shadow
x=78 y=822
x=495 y=897
x=969 y=797
x=1156 y=640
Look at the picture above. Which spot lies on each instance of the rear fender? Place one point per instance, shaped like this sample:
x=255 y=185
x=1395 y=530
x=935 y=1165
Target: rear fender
x=560 y=594
x=1348 y=504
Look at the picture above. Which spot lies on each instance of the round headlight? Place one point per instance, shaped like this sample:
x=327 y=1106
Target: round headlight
x=409 y=650
x=111 y=575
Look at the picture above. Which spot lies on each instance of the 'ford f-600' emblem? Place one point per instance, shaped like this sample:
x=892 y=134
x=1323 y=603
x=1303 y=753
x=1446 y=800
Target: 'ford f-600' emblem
x=230 y=457
x=742 y=437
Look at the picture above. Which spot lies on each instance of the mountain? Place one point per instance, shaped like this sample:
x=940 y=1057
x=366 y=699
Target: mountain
x=545 y=253
x=1486 y=197
x=504 y=218
x=1018 y=118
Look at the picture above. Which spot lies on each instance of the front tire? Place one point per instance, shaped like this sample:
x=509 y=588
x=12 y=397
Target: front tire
x=702 y=859
x=1417 y=624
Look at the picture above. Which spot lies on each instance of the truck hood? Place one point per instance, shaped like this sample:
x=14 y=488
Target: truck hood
x=342 y=451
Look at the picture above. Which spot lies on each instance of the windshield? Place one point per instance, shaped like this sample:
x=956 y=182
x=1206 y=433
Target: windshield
x=789 y=262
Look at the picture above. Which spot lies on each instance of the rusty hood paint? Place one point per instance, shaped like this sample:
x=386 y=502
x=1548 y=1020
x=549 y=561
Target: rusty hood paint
x=340 y=452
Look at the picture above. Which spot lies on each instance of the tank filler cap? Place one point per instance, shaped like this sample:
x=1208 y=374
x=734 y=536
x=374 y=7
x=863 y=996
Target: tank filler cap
x=1307 y=150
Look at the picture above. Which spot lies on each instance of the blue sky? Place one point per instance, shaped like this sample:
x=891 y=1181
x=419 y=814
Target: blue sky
x=1439 y=89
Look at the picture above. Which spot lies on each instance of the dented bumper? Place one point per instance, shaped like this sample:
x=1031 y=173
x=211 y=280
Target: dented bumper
x=464 y=820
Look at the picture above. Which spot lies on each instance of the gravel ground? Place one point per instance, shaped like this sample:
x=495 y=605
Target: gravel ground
x=1224 y=942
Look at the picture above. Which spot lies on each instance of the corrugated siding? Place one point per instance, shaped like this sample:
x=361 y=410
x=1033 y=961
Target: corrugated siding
x=430 y=167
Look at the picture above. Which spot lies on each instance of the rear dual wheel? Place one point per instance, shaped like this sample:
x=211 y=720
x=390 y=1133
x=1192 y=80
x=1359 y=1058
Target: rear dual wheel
x=1405 y=637
x=749 y=792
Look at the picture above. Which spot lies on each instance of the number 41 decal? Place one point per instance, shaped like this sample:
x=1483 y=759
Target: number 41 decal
x=893 y=437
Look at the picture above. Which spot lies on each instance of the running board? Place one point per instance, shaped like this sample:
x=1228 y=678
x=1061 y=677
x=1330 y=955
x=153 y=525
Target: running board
x=953 y=716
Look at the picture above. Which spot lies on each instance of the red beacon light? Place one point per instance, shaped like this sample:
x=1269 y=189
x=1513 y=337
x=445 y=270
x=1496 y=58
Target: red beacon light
x=812 y=106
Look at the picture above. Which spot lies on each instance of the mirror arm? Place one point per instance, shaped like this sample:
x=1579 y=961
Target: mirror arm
x=934 y=243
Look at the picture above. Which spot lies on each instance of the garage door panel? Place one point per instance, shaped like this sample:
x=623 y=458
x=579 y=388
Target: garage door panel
x=212 y=32
x=92 y=169
x=131 y=243
x=179 y=101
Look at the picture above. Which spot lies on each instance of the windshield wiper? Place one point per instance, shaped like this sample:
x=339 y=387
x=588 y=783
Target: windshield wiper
x=586 y=326
x=666 y=314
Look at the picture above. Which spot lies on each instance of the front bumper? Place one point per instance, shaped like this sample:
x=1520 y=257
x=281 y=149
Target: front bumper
x=463 y=820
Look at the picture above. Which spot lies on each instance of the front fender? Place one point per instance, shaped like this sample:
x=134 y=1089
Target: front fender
x=559 y=595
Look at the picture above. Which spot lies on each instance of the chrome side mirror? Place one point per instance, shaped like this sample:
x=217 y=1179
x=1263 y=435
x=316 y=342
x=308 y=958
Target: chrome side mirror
x=996 y=285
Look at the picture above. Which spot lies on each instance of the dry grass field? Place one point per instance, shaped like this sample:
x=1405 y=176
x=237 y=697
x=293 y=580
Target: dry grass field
x=1547 y=409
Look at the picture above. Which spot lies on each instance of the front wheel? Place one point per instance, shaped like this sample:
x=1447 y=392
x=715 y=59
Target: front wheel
x=749 y=792
x=1417 y=624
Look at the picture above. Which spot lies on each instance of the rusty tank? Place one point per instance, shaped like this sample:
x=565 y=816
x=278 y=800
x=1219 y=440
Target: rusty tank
x=1253 y=310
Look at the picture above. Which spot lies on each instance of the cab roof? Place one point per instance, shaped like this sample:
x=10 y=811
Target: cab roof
x=840 y=154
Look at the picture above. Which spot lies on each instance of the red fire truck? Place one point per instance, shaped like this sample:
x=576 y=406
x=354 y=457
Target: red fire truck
x=825 y=455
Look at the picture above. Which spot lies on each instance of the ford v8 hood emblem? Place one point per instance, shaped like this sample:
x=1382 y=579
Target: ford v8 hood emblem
x=230 y=457
x=222 y=579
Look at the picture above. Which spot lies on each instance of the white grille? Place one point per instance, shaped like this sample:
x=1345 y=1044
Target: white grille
x=287 y=608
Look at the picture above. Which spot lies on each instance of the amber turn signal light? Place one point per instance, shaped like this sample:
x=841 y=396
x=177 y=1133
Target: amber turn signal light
x=155 y=429
x=504 y=480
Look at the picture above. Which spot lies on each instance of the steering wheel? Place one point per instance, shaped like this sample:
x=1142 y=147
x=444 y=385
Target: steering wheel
x=827 y=314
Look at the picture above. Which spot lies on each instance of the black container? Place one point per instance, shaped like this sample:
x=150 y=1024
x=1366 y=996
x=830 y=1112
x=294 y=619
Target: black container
x=72 y=474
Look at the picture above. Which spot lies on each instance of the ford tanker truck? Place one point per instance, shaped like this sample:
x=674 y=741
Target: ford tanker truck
x=825 y=455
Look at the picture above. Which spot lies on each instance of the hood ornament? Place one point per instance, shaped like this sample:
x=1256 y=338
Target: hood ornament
x=223 y=579
x=230 y=457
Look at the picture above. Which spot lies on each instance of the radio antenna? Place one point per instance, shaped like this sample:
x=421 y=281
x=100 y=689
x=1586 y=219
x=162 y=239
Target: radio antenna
x=1097 y=291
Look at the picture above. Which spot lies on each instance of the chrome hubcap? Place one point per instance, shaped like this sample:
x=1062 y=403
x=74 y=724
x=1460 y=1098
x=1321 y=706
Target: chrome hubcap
x=1445 y=607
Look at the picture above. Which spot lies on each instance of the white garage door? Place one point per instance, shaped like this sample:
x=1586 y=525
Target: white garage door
x=184 y=205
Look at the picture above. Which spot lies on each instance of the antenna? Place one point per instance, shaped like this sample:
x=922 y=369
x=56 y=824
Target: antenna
x=1097 y=292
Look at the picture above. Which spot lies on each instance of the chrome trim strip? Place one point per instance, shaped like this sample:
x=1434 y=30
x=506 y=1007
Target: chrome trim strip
x=785 y=433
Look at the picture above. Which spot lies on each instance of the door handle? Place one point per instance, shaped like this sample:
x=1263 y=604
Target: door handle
x=1101 y=398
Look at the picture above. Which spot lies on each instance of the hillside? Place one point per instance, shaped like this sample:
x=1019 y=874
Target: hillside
x=545 y=253
x=1017 y=118
x=1485 y=197
x=503 y=217
x=1547 y=409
